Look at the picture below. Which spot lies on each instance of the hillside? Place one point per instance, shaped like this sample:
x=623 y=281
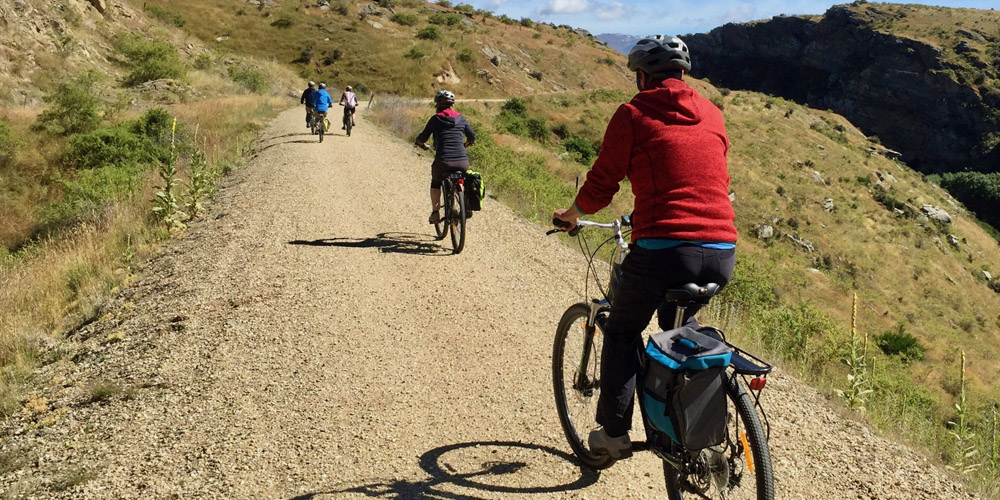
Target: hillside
x=310 y=339
x=404 y=47
x=924 y=80
x=824 y=208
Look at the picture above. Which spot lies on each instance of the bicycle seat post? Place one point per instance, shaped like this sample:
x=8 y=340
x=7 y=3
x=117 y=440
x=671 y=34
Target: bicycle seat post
x=689 y=295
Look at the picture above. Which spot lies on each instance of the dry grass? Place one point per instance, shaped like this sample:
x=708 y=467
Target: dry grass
x=341 y=53
x=55 y=284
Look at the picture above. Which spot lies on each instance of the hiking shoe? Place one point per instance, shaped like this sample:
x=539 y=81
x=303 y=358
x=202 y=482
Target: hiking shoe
x=603 y=444
x=435 y=217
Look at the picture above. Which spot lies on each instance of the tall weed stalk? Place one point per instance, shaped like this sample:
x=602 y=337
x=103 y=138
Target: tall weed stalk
x=964 y=462
x=856 y=394
x=166 y=206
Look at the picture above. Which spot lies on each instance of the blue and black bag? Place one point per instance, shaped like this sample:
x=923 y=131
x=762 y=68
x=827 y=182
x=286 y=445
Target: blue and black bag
x=683 y=386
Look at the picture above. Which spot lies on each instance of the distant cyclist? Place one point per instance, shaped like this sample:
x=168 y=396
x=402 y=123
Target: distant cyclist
x=321 y=101
x=671 y=143
x=349 y=100
x=306 y=99
x=452 y=134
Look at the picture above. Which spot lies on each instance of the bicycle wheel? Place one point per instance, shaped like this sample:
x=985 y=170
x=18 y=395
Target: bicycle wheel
x=457 y=220
x=729 y=471
x=576 y=370
x=348 y=124
x=441 y=226
x=321 y=128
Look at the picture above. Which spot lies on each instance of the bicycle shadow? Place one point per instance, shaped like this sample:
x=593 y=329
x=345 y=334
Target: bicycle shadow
x=299 y=141
x=498 y=469
x=406 y=243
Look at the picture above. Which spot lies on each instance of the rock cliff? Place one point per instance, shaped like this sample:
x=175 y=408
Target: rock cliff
x=938 y=104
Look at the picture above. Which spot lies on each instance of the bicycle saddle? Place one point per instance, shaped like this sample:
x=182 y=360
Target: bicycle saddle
x=692 y=292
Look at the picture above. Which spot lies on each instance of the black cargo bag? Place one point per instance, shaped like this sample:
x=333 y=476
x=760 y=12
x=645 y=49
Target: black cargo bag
x=683 y=387
x=474 y=190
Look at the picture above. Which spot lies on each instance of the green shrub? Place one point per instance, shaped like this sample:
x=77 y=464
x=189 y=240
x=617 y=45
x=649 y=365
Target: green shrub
x=124 y=145
x=405 y=19
x=537 y=129
x=73 y=110
x=900 y=342
x=512 y=123
x=444 y=3
x=148 y=60
x=429 y=33
x=526 y=22
x=166 y=16
x=449 y=19
x=203 y=61
x=252 y=78
x=515 y=105
x=581 y=149
x=537 y=75
x=464 y=7
x=465 y=55
x=415 y=53
x=561 y=130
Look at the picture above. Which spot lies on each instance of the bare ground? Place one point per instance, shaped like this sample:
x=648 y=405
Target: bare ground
x=310 y=339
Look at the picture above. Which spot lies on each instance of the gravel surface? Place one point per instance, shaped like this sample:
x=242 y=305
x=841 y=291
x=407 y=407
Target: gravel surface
x=310 y=339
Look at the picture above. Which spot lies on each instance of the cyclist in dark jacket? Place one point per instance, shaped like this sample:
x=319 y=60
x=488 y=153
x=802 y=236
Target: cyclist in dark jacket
x=452 y=134
x=671 y=143
x=307 y=100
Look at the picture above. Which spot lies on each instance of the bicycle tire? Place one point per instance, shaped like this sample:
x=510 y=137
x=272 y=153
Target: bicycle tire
x=458 y=220
x=322 y=129
x=348 y=124
x=577 y=402
x=441 y=226
x=759 y=465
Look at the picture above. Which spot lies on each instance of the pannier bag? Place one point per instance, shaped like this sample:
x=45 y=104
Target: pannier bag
x=683 y=387
x=474 y=190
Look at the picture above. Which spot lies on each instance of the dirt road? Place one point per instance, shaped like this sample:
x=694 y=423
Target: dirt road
x=309 y=339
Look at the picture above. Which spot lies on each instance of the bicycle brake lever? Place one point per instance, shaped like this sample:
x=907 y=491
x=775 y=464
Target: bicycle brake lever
x=554 y=231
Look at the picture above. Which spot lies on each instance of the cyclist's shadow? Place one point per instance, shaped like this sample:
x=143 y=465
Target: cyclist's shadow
x=409 y=243
x=497 y=475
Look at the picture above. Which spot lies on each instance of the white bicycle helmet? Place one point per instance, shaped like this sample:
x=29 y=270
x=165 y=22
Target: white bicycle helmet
x=312 y=84
x=322 y=85
x=348 y=88
x=444 y=97
x=659 y=54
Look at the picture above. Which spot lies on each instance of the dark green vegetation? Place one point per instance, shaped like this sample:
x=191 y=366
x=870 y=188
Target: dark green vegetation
x=979 y=192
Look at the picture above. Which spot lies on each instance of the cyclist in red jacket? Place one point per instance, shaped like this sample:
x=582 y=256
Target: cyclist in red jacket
x=671 y=143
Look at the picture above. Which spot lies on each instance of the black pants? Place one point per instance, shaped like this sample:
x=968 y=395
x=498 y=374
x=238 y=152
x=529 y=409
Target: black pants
x=646 y=275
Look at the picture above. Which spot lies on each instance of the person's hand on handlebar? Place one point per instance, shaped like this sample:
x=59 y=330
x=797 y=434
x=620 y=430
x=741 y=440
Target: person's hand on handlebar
x=568 y=215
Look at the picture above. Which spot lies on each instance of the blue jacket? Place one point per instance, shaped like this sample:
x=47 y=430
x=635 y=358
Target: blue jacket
x=321 y=100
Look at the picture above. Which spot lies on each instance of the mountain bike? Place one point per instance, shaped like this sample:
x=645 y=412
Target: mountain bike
x=348 y=119
x=453 y=192
x=320 y=124
x=738 y=468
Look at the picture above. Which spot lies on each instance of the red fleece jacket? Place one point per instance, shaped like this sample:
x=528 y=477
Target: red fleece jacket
x=671 y=143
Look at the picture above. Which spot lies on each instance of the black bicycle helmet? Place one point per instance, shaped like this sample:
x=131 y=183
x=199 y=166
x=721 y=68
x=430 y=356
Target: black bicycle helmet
x=659 y=54
x=444 y=97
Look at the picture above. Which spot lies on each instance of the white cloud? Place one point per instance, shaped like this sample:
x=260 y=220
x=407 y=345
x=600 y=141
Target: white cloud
x=740 y=13
x=611 y=12
x=563 y=7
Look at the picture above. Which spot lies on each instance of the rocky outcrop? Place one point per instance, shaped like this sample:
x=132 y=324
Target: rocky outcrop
x=898 y=89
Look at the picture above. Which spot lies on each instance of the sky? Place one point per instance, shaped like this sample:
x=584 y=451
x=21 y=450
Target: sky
x=671 y=17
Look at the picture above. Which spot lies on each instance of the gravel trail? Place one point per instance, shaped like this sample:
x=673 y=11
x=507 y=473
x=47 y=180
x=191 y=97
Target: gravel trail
x=309 y=339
